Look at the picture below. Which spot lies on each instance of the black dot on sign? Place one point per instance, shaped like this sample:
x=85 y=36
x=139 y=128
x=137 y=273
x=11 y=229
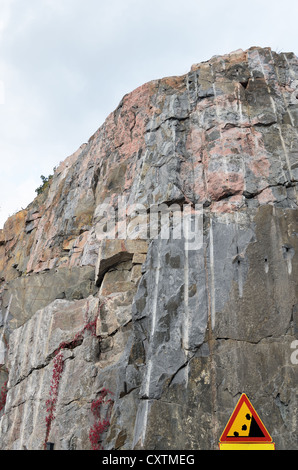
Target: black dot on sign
x=244 y=427
x=236 y=434
x=247 y=416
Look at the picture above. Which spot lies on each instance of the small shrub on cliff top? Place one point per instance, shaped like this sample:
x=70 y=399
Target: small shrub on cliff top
x=45 y=183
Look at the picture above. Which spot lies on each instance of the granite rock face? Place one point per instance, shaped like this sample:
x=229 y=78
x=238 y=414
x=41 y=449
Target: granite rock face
x=175 y=331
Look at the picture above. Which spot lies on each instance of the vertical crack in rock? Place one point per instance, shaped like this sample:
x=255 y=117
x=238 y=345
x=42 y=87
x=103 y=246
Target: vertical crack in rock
x=186 y=325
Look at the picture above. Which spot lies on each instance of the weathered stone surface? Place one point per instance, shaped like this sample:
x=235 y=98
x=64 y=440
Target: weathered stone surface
x=257 y=254
x=180 y=333
x=30 y=375
x=113 y=252
x=33 y=292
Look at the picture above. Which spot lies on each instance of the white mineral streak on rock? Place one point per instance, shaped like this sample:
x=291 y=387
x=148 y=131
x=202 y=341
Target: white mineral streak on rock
x=278 y=125
x=2 y=344
x=145 y=422
x=239 y=103
x=153 y=327
x=155 y=298
x=289 y=263
x=186 y=323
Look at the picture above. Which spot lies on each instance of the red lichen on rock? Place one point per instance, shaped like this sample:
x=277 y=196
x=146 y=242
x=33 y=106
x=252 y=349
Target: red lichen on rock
x=101 y=424
x=58 y=365
x=3 y=395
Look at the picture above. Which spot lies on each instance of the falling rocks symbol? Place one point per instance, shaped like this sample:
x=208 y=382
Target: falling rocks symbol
x=245 y=429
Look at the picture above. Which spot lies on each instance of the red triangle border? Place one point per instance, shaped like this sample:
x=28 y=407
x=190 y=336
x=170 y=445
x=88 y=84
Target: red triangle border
x=225 y=438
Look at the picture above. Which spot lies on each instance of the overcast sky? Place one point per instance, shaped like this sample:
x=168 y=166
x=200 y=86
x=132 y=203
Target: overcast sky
x=65 y=65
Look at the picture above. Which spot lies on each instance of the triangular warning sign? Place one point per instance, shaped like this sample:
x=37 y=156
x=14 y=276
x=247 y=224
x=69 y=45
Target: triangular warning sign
x=245 y=425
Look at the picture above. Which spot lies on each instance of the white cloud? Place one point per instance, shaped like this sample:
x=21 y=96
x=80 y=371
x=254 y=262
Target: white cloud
x=5 y=15
x=16 y=196
x=65 y=65
x=2 y=92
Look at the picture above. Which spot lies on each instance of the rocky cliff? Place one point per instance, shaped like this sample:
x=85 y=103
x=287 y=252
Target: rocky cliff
x=116 y=332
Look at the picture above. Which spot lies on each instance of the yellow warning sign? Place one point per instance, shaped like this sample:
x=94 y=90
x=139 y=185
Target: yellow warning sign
x=245 y=430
